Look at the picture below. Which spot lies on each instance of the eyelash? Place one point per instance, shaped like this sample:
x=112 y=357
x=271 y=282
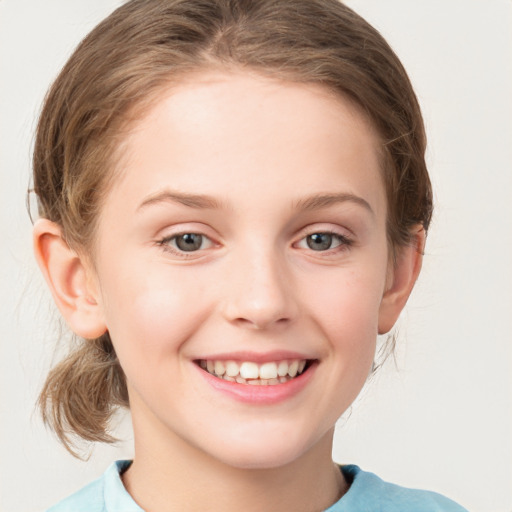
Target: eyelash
x=165 y=244
x=344 y=243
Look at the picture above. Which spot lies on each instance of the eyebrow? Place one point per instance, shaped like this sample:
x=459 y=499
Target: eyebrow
x=197 y=201
x=319 y=201
x=201 y=201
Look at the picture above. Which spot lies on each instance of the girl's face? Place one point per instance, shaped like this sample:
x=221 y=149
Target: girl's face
x=247 y=235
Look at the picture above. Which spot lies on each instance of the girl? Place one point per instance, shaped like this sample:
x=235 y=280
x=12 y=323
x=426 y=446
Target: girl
x=234 y=203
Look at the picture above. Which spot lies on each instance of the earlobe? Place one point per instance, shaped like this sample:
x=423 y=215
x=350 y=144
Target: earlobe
x=69 y=279
x=402 y=278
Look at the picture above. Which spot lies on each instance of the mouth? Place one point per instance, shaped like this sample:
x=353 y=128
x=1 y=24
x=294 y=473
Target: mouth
x=270 y=373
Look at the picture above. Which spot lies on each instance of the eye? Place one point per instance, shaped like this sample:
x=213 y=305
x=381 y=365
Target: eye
x=323 y=241
x=186 y=242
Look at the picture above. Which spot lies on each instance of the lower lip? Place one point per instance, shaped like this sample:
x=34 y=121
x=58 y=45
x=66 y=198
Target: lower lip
x=270 y=394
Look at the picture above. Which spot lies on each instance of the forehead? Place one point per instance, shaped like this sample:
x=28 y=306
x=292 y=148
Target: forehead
x=214 y=129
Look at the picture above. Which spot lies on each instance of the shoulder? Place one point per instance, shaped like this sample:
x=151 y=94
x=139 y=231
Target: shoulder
x=106 y=494
x=369 y=493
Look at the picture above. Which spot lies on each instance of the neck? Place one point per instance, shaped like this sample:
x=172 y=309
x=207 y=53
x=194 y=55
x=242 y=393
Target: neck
x=177 y=476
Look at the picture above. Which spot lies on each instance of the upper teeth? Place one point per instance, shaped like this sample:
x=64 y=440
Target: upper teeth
x=250 y=370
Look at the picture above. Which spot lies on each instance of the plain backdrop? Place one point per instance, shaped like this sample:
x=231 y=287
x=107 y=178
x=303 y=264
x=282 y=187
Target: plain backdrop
x=438 y=418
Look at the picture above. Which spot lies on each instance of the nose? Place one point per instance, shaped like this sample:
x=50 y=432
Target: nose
x=260 y=294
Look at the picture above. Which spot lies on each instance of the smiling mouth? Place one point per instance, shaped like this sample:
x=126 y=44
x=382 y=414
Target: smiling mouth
x=251 y=373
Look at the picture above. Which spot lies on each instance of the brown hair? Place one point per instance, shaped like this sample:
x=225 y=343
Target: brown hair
x=147 y=44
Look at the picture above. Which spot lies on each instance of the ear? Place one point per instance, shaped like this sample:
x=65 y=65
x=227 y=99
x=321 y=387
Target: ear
x=402 y=275
x=70 y=279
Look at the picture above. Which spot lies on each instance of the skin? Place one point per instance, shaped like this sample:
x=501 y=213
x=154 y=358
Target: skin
x=263 y=151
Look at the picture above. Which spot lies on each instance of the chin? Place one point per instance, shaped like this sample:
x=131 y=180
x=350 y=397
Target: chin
x=262 y=453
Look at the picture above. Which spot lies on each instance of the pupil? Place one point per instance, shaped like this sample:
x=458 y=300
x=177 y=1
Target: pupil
x=319 y=241
x=189 y=242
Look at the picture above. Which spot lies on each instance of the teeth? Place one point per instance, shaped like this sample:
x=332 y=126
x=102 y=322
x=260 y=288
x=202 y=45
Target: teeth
x=268 y=371
x=282 y=369
x=293 y=369
x=248 y=372
x=232 y=368
x=219 y=368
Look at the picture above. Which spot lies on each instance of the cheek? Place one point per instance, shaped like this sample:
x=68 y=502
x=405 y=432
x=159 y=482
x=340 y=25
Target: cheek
x=349 y=305
x=348 y=311
x=147 y=314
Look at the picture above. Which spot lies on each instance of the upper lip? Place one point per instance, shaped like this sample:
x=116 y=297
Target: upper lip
x=256 y=357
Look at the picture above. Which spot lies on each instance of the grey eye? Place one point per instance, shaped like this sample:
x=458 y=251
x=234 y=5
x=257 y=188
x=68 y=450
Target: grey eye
x=319 y=241
x=189 y=242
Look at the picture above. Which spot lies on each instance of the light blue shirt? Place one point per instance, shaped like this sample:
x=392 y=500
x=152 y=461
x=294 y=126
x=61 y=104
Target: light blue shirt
x=367 y=493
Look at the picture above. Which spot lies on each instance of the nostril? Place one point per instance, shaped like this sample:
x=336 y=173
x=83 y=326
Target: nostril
x=260 y=300
x=261 y=323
